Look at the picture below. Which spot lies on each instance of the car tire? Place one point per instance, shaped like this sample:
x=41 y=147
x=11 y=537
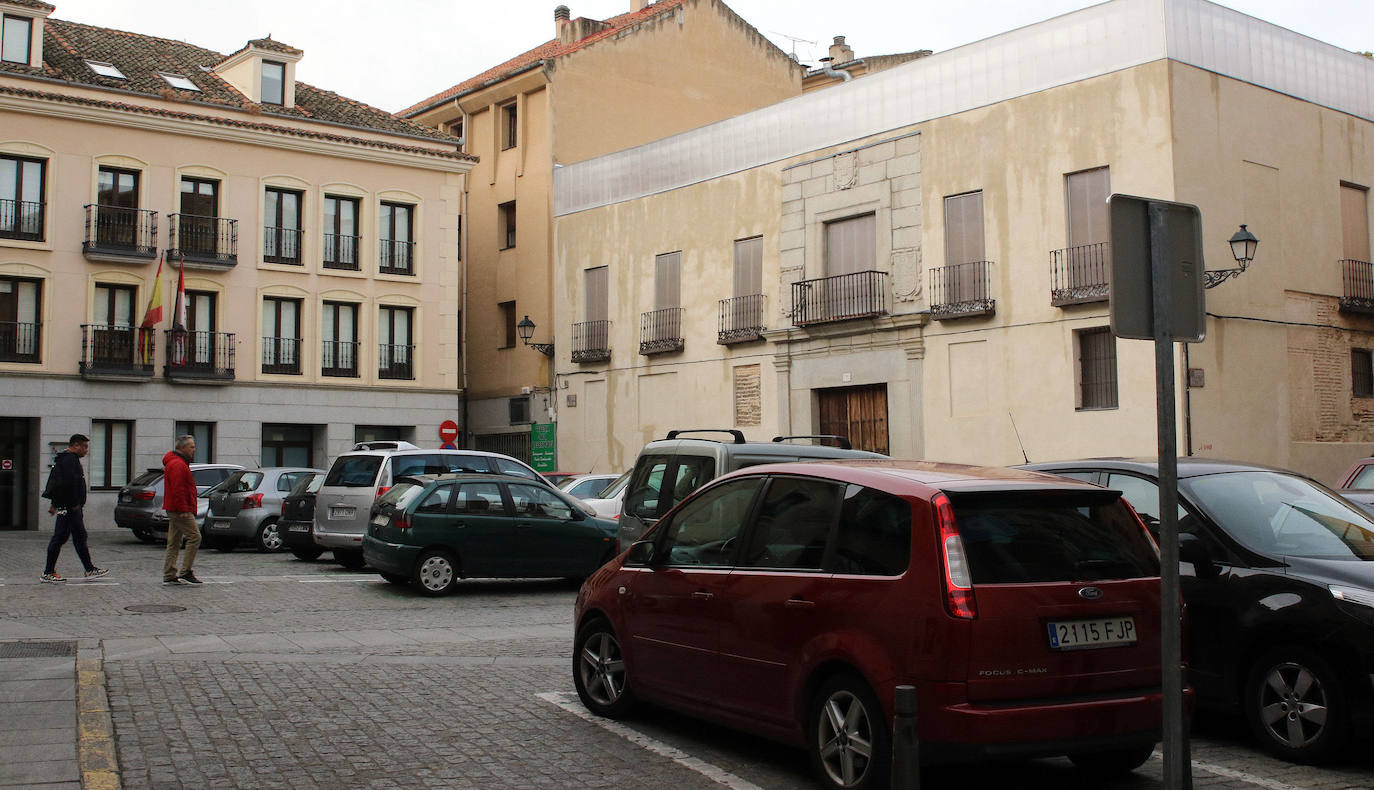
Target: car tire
x=351 y=559
x=1113 y=762
x=268 y=539
x=398 y=579
x=145 y=535
x=312 y=553
x=847 y=735
x=1296 y=705
x=435 y=573
x=599 y=671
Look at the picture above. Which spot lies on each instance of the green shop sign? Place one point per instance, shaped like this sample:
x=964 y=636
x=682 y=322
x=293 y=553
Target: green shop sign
x=544 y=446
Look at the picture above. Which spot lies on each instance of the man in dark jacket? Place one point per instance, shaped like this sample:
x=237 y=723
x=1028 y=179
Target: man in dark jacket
x=66 y=488
x=179 y=500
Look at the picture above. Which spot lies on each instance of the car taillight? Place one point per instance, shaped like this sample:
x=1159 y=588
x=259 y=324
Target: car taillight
x=382 y=490
x=400 y=520
x=251 y=501
x=283 y=507
x=959 y=599
x=144 y=494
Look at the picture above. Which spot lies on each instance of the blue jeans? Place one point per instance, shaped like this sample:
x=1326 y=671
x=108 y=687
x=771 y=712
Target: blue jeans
x=69 y=525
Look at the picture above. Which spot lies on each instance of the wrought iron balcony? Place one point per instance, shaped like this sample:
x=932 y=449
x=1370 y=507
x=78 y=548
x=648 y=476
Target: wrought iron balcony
x=961 y=291
x=341 y=252
x=1357 y=287
x=281 y=245
x=660 y=331
x=21 y=219
x=1078 y=275
x=117 y=352
x=205 y=242
x=395 y=361
x=339 y=358
x=839 y=298
x=396 y=257
x=201 y=357
x=20 y=342
x=741 y=319
x=115 y=232
x=281 y=356
x=591 y=341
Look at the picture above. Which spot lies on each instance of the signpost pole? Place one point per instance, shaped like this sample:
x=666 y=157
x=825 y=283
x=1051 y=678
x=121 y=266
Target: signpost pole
x=1178 y=774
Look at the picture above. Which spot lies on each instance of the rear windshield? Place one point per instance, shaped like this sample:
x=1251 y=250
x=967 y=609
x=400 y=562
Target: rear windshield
x=1284 y=514
x=147 y=478
x=354 y=471
x=400 y=494
x=241 y=481
x=1014 y=539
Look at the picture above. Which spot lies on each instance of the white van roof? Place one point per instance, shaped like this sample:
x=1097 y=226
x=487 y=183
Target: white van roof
x=390 y=444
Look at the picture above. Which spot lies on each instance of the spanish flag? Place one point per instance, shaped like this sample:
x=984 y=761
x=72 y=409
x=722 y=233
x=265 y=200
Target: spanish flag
x=151 y=318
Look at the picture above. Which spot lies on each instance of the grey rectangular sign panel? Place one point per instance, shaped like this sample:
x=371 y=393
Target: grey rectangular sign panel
x=1132 y=298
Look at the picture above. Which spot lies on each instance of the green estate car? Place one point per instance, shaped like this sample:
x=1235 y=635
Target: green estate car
x=435 y=529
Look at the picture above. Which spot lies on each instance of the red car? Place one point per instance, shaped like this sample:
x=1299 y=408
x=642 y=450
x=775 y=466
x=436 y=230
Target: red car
x=790 y=600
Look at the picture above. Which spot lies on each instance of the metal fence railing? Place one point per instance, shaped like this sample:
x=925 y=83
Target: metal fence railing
x=839 y=297
x=281 y=355
x=395 y=361
x=20 y=341
x=113 y=349
x=741 y=319
x=120 y=231
x=203 y=239
x=591 y=341
x=1357 y=286
x=660 y=331
x=962 y=290
x=1078 y=275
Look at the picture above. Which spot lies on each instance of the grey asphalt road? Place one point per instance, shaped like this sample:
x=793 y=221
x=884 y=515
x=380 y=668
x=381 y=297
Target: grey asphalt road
x=282 y=673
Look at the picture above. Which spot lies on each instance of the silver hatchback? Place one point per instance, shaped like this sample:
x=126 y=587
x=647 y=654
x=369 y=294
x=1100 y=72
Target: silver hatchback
x=247 y=507
x=139 y=507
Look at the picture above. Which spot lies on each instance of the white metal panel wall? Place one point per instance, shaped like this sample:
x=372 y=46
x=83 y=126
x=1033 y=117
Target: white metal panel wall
x=1075 y=46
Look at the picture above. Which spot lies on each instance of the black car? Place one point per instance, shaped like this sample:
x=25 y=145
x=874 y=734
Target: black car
x=1278 y=575
x=298 y=518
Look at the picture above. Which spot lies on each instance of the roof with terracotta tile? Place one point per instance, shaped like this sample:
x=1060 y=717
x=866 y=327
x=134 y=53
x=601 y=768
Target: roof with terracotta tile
x=67 y=45
x=544 y=52
x=37 y=5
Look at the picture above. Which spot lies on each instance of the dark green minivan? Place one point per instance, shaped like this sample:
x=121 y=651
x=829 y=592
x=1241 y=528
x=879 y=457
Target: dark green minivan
x=435 y=529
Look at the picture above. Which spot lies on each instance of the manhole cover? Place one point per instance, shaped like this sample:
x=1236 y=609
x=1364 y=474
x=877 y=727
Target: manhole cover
x=154 y=608
x=37 y=649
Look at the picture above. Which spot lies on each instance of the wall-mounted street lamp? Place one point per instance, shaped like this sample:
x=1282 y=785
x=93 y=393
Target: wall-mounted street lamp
x=1243 y=246
x=526 y=331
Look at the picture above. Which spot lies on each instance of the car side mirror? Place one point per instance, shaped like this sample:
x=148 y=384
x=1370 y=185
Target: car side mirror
x=1192 y=550
x=641 y=553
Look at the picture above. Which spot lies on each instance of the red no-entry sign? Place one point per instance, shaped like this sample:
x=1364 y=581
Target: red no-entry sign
x=448 y=430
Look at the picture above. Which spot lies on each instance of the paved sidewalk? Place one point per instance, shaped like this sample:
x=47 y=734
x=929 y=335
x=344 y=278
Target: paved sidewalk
x=38 y=732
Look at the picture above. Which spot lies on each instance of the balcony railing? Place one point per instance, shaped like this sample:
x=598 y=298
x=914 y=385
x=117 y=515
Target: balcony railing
x=339 y=358
x=1357 y=286
x=21 y=219
x=281 y=245
x=341 y=252
x=591 y=341
x=199 y=356
x=839 y=298
x=20 y=342
x=281 y=356
x=1078 y=275
x=660 y=331
x=203 y=240
x=120 y=232
x=395 y=361
x=117 y=351
x=741 y=319
x=396 y=257
x=961 y=290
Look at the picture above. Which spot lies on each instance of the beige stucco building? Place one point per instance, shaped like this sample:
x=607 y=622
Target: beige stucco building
x=317 y=237
x=919 y=259
x=598 y=86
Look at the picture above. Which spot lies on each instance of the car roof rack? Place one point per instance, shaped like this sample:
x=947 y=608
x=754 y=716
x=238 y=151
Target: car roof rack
x=843 y=441
x=390 y=444
x=739 y=435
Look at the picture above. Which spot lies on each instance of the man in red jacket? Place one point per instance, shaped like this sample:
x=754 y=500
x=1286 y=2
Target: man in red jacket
x=179 y=500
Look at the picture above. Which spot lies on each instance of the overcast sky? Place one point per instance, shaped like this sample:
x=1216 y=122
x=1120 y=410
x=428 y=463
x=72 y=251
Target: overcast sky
x=394 y=54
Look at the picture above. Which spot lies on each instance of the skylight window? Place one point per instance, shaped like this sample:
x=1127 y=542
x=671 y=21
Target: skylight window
x=178 y=81
x=106 y=69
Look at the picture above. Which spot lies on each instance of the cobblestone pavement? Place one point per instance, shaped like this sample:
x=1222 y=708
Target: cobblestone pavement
x=281 y=673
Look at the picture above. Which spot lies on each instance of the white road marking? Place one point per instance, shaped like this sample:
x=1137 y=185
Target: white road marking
x=1231 y=773
x=337 y=581
x=720 y=776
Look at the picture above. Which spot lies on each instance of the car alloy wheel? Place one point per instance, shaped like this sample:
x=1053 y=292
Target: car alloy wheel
x=1295 y=705
x=269 y=537
x=435 y=573
x=599 y=671
x=849 y=740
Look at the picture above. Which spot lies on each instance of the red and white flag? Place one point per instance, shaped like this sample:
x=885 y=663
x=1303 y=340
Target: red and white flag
x=178 y=349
